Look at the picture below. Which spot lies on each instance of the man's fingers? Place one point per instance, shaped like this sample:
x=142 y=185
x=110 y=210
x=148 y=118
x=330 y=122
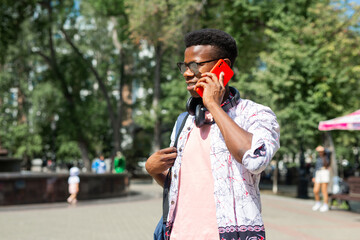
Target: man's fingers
x=170 y=162
x=221 y=79
x=211 y=76
x=200 y=84
x=168 y=150
x=170 y=156
x=204 y=80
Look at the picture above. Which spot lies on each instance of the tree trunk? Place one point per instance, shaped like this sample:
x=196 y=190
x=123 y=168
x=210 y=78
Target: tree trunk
x=102 y=86
x=52 y=61
x=85 y=155
x=21 y=109
x=117 y=136
x=156 y=98
x=118 y=119
x=114 y=116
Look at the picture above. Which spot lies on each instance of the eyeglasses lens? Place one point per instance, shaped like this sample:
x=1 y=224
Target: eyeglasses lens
x=193 y=66
x=182 y=67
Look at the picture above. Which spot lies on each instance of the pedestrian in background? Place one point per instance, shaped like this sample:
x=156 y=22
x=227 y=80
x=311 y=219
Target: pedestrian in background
x=119 y=163
x=99 y=165
x=73 y=182
x=321 y=180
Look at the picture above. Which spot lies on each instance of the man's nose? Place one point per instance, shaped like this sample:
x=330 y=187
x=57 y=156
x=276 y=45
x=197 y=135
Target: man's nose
x=188 y=73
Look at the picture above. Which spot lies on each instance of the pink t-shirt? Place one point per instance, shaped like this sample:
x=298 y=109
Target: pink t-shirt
x=196 y=212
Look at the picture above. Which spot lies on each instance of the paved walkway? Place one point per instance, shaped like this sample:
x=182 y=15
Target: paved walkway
x=134 y=218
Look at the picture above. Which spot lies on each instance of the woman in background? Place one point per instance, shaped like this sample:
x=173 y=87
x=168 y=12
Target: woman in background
x=321 y=180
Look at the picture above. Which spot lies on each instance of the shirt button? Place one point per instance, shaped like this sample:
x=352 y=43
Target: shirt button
x=172 y=202
x=175 y=176
x=188 y=128
x=180 y=149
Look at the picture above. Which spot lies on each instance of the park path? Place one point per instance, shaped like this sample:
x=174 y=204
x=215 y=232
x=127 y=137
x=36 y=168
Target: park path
x=134 y=218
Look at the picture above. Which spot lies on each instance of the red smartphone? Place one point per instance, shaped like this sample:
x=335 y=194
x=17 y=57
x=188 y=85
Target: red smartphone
x=220 y=66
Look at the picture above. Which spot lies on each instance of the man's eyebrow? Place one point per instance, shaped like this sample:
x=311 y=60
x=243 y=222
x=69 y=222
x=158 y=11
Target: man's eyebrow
x=191 y=62
x=188 y=62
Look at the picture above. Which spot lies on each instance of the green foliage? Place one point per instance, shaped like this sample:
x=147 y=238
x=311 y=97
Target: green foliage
x=68 y=151
x=108 y=8
x=307 y=70
x=12 y=15
x=46 y=101
x=300 y=57
x=166 y=18
x=63 y=98
x=22 y=142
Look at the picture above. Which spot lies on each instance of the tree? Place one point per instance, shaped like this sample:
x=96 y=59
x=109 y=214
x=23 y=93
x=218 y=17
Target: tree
x=59 y=58
x=108 y=14
x=161 y=24
x=309 y=70
x=71 y=62
x=14 y=95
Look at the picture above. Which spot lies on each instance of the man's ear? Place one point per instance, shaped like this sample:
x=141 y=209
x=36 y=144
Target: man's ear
x=228 y=62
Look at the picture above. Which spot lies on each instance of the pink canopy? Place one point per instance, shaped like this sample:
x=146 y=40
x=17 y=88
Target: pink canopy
x=348 y=122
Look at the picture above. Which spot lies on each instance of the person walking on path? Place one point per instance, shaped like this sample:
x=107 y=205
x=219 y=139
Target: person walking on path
x=321 y=180
x=74 y=182
x=224 y=146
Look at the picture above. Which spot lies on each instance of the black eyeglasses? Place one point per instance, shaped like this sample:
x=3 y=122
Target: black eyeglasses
x=193 y=66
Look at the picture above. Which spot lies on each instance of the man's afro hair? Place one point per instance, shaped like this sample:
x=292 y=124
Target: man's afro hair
x=225 y=43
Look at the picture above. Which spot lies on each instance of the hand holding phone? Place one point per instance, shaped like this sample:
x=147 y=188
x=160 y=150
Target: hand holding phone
x=220 y=66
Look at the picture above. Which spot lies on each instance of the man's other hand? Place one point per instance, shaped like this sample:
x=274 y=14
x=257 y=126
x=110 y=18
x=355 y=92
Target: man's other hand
x=161 y=161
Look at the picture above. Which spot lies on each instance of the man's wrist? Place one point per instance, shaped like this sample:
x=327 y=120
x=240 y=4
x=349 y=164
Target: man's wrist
x=213 y=106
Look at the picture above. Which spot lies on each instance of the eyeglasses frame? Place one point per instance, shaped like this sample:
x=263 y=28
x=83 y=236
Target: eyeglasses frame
x=187 y=65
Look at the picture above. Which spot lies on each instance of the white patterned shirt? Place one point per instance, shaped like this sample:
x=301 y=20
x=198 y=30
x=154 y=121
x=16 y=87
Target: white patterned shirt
x=236 y=185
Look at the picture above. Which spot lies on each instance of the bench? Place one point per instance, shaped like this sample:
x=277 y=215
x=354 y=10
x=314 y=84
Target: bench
x=354 y=192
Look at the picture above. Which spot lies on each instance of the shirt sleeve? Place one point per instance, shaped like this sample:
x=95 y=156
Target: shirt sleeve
x=263 y=125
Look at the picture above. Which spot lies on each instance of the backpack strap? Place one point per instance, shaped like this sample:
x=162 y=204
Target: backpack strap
x=180 y=123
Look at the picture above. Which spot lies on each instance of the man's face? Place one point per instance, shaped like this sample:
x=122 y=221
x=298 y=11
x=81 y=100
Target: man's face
x=198 y=53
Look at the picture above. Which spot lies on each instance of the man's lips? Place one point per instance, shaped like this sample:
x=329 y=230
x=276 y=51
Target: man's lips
x=191 y=84
x=190 y=87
